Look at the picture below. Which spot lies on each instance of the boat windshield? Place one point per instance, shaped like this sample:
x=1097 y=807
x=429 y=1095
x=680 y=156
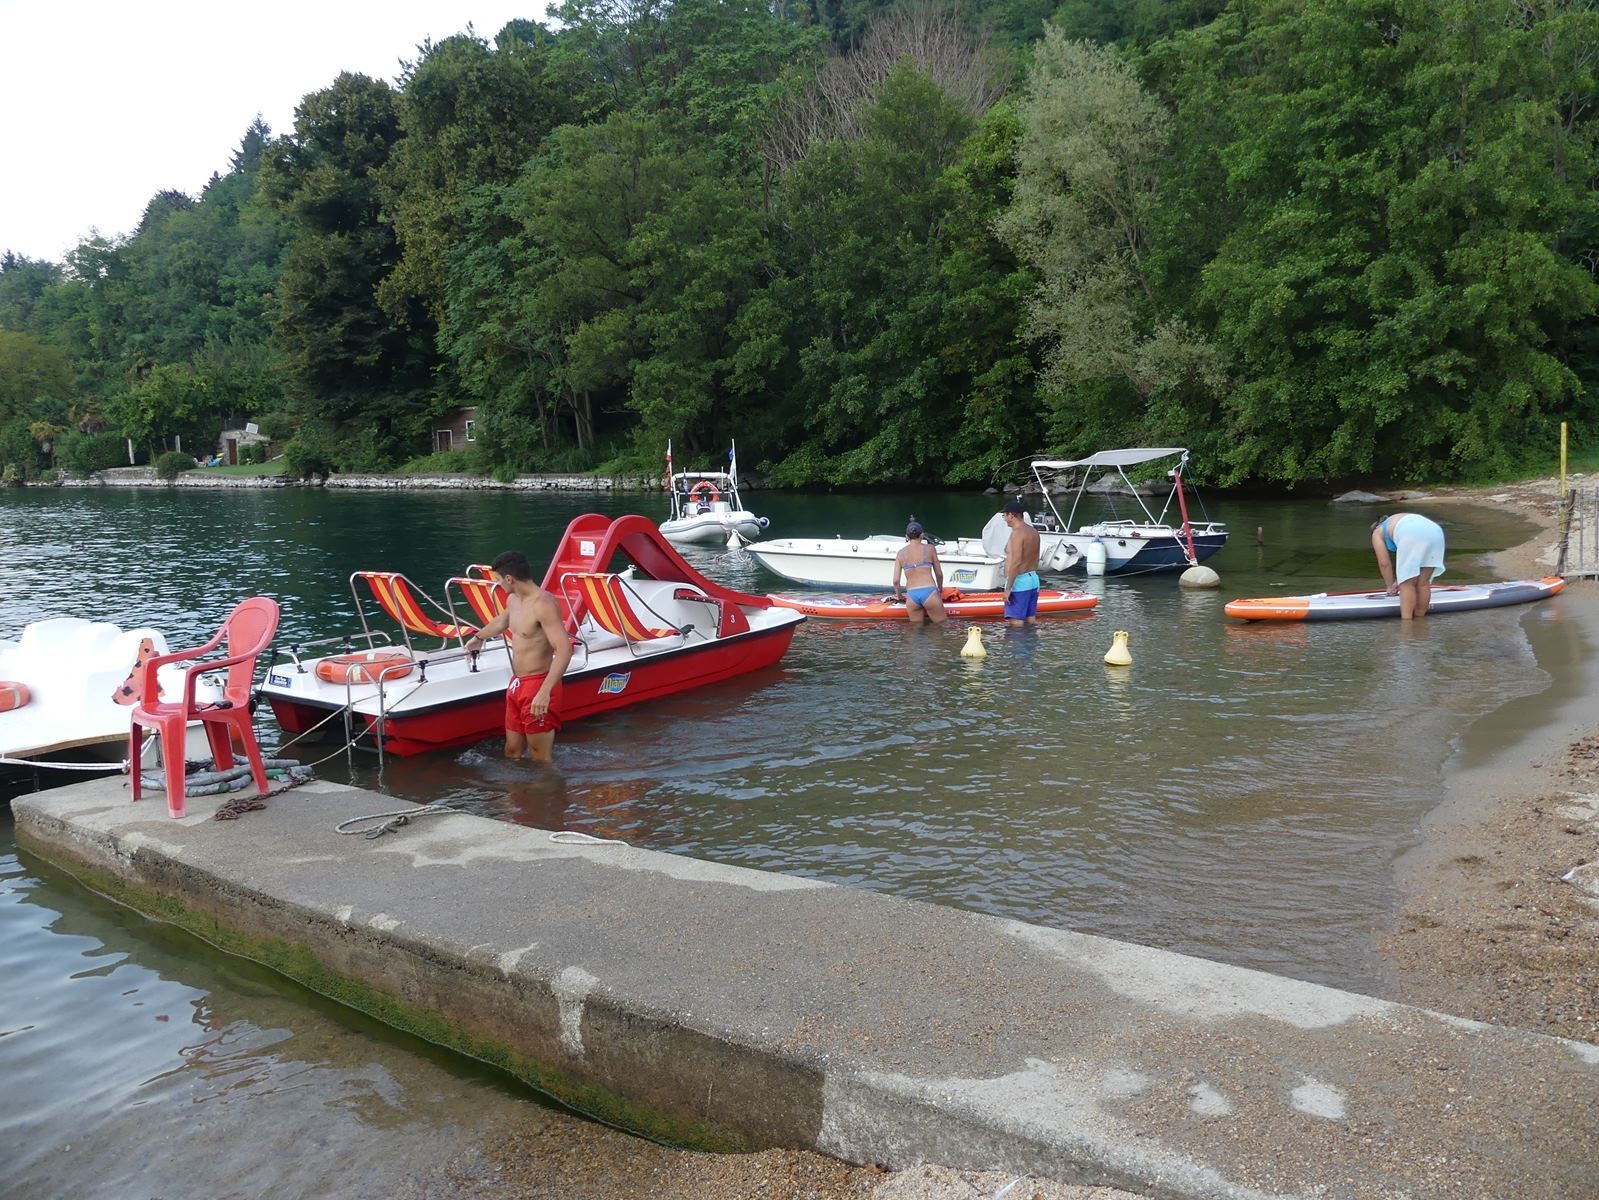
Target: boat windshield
x=696 y=492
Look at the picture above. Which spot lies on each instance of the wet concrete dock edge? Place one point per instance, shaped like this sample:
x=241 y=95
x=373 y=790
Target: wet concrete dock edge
x=722 y=1007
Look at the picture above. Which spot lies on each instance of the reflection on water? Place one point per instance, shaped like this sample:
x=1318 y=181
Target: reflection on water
x=1239 y=792
x=139 y=1063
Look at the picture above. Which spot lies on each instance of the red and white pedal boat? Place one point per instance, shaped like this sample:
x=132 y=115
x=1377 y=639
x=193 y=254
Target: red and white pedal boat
x=658 y=631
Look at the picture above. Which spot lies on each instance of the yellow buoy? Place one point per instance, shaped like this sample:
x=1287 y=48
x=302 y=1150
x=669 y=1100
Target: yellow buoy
x=974 y=644
x=1117 y=655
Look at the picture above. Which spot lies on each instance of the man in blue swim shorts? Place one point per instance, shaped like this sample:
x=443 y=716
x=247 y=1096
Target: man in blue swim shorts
x=1021 y=567
x=918 y=562
x=1410 y=555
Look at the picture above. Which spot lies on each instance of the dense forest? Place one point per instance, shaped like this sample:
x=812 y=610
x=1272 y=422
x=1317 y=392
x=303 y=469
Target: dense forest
x=1314 y=240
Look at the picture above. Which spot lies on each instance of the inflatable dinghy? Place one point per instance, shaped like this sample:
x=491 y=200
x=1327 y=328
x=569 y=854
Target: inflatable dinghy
x=966 y=605
x=1349 y=606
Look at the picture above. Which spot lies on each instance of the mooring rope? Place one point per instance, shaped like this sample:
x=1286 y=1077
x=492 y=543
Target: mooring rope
x=63 y=766
x=308 y=732
x=571 y=837
x=392 y=820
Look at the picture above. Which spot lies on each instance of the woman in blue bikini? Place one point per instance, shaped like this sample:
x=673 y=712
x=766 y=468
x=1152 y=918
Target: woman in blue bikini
x=1410 y=555
x=918 y=562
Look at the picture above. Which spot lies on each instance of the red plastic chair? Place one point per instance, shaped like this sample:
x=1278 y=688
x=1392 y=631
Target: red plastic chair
x=247 y=632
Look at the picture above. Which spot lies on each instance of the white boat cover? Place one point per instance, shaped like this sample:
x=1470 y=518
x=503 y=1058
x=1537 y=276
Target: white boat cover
x=1112 y=458
x=996 y=536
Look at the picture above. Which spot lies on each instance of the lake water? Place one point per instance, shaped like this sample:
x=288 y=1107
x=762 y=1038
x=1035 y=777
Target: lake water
x=1241 y=792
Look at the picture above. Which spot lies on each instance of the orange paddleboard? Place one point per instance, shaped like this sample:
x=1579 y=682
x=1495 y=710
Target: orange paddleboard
x=966 y=605
x=1348 y=606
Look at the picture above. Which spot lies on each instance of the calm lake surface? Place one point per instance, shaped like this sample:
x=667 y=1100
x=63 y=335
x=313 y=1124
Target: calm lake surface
x=1241 y=792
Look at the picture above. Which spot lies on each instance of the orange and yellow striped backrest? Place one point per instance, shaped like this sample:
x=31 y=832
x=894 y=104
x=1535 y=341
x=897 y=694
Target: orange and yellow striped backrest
x=486 y=597
x=604 y=599
x=393 y=592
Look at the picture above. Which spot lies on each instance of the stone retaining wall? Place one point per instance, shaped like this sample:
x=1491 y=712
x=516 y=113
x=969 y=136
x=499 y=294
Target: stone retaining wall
x=147 y=477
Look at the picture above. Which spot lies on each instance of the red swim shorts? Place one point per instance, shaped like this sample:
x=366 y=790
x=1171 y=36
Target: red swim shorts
x=519 y=716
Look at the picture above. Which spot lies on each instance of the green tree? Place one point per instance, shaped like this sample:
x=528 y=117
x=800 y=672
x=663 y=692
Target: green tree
x=170 y=401
x=887 y=268
x=1388 y=188
x=472 y=114
x=35 y=381
x=344 y=357
x=1118 y=364
x=34 y=377
x=23 y=282
x=548 y=314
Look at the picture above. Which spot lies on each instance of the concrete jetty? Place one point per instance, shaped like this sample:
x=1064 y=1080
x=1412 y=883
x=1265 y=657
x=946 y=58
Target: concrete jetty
x=727 y=1008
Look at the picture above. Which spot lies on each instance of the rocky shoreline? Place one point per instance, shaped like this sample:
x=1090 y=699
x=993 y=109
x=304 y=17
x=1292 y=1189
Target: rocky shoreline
x=146 y=477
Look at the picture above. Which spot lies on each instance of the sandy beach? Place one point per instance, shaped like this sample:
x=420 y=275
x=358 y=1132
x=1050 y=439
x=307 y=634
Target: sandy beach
x=1502 y=897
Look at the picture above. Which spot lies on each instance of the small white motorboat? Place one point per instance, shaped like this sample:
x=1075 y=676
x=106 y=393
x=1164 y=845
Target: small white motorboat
x=1143 y=544
x=67 y=687
x=706 y=506
x=867 y=563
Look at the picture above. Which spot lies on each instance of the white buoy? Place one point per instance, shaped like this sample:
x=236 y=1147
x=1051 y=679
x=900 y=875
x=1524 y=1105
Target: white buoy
x=1094 y=560
x=974 y=644
x=1199 y=577
x=735 y=540
x=1118 y=655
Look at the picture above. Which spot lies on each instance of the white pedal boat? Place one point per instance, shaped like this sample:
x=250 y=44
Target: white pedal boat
x=67 y=689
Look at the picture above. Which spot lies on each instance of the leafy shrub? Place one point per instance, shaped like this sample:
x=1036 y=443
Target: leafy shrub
x=90 y=452
x=17 y=449
x=49 y=475
x=252 y=454
x=444 y=462
x=310 y=453
x=172 y=463
x=275 y=426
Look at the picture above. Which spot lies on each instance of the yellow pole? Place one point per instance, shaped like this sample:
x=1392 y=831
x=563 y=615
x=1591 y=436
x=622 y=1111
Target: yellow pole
x=1562 y=460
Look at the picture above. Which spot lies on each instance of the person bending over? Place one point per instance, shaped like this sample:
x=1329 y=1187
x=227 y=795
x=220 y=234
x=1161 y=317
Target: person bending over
x=918 y=562
x=540 y=652
x=1021 y=567
x=1410 y=555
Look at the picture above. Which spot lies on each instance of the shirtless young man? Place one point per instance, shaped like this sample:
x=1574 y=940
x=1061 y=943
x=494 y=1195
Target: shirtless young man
x=540 y=652
x=1021 y=567
x=924 y=577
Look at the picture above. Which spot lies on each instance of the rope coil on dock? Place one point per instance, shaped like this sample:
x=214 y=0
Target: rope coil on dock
x=571 y=837
x=391 y=821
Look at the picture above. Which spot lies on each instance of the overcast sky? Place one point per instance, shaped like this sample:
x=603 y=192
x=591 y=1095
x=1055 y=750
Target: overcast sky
x=104 y=103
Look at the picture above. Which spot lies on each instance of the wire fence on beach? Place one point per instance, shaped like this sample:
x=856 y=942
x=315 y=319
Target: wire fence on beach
x=1579 y=534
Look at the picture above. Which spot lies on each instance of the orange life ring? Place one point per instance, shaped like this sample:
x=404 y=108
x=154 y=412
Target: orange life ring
x=13 y=695
x=706 y=489
x=369 y=666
